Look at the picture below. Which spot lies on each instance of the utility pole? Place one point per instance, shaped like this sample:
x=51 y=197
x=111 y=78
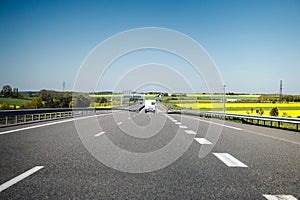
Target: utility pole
x=224 y=99
x=64 y=86
x=280 y=92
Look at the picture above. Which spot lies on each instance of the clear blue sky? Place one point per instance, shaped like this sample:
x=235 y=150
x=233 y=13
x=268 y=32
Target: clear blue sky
x=255 y=44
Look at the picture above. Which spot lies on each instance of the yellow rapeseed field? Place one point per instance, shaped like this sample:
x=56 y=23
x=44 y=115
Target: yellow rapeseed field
x=285 y=109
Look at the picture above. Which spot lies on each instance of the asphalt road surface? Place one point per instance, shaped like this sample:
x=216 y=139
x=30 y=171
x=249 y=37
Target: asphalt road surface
x=62 y=159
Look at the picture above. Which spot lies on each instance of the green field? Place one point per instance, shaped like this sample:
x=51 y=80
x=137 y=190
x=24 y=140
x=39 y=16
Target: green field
x=12 y=101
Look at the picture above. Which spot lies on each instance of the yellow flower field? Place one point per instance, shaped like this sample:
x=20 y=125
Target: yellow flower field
x=285 y=109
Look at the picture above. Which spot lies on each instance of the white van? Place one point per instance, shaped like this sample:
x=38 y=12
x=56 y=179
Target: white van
x=150 y=106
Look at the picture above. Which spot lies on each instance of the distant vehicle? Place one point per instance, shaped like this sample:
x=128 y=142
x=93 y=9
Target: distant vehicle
x=150 y=106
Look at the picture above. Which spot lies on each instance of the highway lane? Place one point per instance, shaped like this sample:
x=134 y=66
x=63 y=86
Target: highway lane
x=70 y=171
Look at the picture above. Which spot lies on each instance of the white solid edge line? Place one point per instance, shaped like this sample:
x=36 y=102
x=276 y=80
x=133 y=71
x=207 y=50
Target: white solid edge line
x=190 y=132
x=229 y=160
x=272 y=137
x=19 y=178
x=279 y=197
x=260 y=134
x=51 y=123
x=98 y=134
x=202 y=141
x=227 y=126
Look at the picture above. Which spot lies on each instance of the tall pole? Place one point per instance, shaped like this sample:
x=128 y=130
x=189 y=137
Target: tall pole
x=224 y=99
x=64 y=86
x=280 y=92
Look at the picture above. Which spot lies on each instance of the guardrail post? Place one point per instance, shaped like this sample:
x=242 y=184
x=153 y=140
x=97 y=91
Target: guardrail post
x=32 y=117
x=279 y=124
x=24 y=118
x=271 y=123
x=16 y=119
x=6 y=120
x=45 y=116
x=50 y=115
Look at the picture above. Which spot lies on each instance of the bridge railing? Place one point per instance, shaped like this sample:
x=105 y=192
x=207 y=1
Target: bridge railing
x=14 y=117
x=278 y=122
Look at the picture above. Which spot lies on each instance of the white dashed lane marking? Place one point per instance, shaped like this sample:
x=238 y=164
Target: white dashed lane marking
x=229 y=160
x=178 y=123
x=19 y=178
x=98 y=134
x=181 y=126
x=202 y=141
x=190 y=132
x=119 y=123
x=279 y=197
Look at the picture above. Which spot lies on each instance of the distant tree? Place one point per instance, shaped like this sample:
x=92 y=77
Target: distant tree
x=274 y=112
x=36 y=102
x=15 y=93
x=261 y=112
x=284 y=114
x=103 y=100
x=6 y=91
x=81 y=101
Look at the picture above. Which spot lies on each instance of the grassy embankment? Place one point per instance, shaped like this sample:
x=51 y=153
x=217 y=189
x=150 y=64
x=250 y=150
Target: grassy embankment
x=13 y=102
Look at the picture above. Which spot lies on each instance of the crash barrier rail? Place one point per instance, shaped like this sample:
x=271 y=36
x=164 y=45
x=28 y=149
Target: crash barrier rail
x=16 y=117
x=278 y=122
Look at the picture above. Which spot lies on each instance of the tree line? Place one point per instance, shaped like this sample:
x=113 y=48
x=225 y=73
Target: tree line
x=49 y=99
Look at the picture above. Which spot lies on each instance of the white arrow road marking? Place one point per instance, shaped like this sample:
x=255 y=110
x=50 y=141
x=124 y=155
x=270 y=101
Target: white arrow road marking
x=19 y=178
x=202 y=141
x=279 y=197
x=229 y=160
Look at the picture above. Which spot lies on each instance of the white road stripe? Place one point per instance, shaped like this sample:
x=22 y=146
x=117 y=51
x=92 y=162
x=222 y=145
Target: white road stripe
x=98 y=134
x=239 y=129
x=174 y=120
x=190 y=132
x=257 y=133
x=47 y=124
x=202 y=141
x=119 y=123
x=232 y=127
x=273 y=137
x=53 y=123
x=279 y=197
x=181 y=126
x=229 y=160
x=19 y=178
x=129 y=118
x=178 y=123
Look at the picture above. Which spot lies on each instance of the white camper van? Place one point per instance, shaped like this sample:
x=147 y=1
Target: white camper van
x=150 y=106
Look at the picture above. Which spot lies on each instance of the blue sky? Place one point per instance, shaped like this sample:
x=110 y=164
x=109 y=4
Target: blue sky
x=254 y=44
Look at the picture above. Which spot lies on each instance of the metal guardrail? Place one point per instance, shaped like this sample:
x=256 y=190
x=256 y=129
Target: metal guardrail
x=261 y=120
x=16 y=117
